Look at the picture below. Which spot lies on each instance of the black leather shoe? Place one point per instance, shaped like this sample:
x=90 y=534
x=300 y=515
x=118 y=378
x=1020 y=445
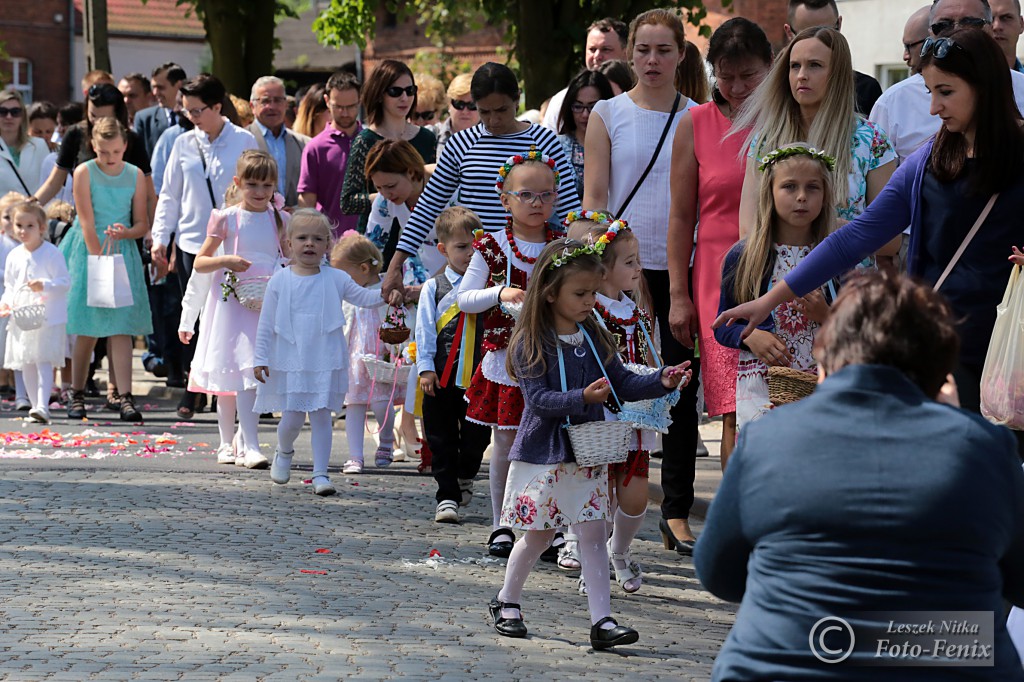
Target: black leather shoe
x=618 y=635
x=500 y=548
x=76 y=410
x=683 y=547
x=129 y=412
x=551 y=553
x=509 y=627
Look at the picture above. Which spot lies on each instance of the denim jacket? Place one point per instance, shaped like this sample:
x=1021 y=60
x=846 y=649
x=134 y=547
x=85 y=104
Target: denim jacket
x=541 y=438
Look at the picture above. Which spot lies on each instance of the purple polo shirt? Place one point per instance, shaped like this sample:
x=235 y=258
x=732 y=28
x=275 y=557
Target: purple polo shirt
x=323 y=172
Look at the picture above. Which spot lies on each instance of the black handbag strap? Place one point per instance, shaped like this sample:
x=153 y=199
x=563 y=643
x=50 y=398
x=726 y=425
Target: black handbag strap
x=206 y=174
x=14 y=168
x=654 y=156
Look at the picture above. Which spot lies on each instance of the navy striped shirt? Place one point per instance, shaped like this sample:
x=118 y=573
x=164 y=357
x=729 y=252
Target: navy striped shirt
x=466 y=173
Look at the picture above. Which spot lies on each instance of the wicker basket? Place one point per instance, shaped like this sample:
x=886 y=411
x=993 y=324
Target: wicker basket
x=28 y=311
x=385 y=372
x=787 y=385
x=601 y=442
x=394 y=329
x=251 y=290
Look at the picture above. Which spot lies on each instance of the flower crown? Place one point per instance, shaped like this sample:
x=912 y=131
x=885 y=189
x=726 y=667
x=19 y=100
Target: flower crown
x=614 y=225
x=574 y=250
x=515 y=160
x=771 y=158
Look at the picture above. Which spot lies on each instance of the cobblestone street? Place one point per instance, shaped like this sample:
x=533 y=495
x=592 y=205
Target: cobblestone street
x=166 y=566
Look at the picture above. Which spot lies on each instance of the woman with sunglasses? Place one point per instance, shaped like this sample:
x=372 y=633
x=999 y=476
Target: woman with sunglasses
x=388 y=97
x=21 y=155
x=941 y=191
x=462 y=111
x=103 y=100
x=584 y=91
x=430 y=101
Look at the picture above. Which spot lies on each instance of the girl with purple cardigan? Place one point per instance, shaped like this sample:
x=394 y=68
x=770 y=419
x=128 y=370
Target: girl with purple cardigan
x=546 y=489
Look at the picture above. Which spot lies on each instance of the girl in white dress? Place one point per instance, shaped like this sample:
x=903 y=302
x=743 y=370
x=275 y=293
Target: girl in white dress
x=301 y=354
x=357 y=256
x=250 y=234
x=39 y=266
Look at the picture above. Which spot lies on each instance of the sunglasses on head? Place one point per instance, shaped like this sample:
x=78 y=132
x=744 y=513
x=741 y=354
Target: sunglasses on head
x=423 y=115
x=462 y=106
x=102 y=94
x=395 y=91
x=939 y=47
x=947 y=25
x=13 y=112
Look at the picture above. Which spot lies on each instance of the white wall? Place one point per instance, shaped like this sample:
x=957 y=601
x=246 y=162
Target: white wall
x=874 y=29
x=129 y=55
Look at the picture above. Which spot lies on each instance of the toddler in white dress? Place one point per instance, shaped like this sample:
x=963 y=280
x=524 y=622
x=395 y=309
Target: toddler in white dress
x=301 y=360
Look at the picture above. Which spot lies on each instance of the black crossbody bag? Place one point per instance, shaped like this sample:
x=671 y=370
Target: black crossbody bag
x=654 y=157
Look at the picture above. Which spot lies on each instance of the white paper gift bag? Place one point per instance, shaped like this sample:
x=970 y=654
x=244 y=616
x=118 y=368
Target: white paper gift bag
x=108 y=285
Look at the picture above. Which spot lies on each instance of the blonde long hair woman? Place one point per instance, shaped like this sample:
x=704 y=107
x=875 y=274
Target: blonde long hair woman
x=809 y=95
x=21 y=156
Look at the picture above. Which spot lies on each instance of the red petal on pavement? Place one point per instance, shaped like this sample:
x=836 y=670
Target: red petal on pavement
x=323 y=550
x=434 y=553
x=306 y=570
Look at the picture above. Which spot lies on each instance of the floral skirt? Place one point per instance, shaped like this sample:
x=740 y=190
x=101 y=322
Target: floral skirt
x=546 y=496
x=493 y=404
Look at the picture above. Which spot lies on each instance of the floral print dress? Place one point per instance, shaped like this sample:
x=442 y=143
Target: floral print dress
x=795 y=330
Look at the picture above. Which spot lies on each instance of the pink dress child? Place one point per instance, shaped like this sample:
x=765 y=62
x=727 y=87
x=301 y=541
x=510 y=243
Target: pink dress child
x=226 y=344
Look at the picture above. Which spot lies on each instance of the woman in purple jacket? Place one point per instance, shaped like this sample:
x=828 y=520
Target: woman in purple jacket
x=567 y=367
x=941 y=191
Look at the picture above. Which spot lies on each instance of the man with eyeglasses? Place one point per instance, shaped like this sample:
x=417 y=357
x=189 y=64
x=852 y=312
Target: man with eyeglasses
x=915 y=32
x=1007 y=26
x=904 y=110
x=804 y=14
x=606 y=40
x=269 y=105
x=325 y=158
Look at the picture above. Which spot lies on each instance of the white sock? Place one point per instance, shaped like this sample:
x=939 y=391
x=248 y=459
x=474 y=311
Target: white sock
x=355 y=423
x=525 y=553
x=248 y=420
x=226 y=418
x=502 y=440
x=19 y=386
x=288 y=430
x=44 y=371
x=320 y=439
x=626 y=528
x=594 y=568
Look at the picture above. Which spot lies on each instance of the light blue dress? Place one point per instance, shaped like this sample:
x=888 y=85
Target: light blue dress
x=111 y=203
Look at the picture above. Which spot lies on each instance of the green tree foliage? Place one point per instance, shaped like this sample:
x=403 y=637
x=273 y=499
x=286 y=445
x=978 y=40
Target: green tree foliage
x=547 y=35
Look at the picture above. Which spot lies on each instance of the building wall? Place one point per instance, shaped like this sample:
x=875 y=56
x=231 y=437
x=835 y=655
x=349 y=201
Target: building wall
x=874 y=29
x=770 y=15
x=38 y=31
x=129 y=55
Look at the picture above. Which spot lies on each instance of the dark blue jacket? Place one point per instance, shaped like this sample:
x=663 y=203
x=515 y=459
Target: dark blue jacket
x=729 y=335
x=866 y=496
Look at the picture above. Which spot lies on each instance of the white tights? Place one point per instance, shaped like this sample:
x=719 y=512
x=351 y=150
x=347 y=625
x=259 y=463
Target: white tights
x=320 y=436
x=593 y=558
x=502 y=440
x=355 y=424
x=38 y=383
x=248 y=421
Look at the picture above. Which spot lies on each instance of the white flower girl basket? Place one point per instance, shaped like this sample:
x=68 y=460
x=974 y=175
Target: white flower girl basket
x=599 y=442
x=28 y=311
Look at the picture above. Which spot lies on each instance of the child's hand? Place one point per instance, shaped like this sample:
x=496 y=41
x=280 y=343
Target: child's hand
x=412 y=294
x=115 y=231
x=428 y=382
x=948 y=393
x=35 y=285
x=677 y=377
x=236 y=263
x=396 y=299
x=261 y=372
x=813 y=305
x=597 y=392
x=1018 y=256
x=769 y=348
x=5 y=310
x=185 y=337
x=512 y=295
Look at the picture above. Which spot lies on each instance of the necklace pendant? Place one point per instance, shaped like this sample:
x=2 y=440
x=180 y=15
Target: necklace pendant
x=579 y=352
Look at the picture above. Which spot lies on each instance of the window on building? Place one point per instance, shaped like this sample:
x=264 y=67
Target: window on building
x=21 y=77
x=890 y=74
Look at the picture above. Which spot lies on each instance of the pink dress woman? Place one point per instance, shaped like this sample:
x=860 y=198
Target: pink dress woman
x=719 y=184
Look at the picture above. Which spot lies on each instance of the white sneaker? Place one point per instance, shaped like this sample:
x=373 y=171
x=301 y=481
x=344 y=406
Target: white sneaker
x=281 y=469
x=253 y=459
x=399 y=455
x=39 y=415
x=447 y=512
x=322 y=486
x=352 y=466
x=225 y=454
x=22 y=405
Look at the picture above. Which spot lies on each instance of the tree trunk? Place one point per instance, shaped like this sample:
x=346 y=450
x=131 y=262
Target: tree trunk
x=259 y=41
x=225 y=29
x=545 y=62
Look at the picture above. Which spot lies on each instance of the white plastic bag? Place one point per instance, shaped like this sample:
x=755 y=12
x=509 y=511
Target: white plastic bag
x=1002 y=379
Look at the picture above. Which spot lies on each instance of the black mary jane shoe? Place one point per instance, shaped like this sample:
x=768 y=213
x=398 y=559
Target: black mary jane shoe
x=550 y=554
x=683 y=547
x=601 y=638
x=500 y=548
x=508 y=627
